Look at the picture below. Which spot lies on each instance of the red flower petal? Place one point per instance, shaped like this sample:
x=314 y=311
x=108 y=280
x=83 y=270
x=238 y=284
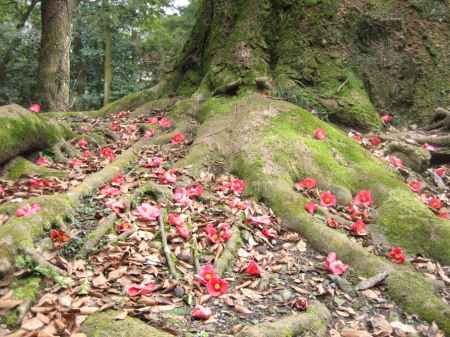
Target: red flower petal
x=200 y=312
x=253 y=269
x=327 y=199
x=306 y=184
x=311 y=207
x=217 y=286
x=319 y=134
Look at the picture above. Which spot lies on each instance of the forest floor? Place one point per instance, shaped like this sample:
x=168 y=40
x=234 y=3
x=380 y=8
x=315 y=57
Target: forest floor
x=271 y=272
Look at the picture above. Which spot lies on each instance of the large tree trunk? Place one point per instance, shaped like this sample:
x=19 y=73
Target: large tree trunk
x=54 y=60
x=107 y=65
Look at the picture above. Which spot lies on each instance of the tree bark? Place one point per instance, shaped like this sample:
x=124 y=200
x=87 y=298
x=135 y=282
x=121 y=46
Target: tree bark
x=54 y=59
x=108 y=68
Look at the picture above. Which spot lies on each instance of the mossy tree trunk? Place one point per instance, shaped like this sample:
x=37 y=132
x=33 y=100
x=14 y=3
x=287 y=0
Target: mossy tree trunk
x=54 y=59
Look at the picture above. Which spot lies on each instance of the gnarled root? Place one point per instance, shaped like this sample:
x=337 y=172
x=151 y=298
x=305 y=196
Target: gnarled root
x=440 y=121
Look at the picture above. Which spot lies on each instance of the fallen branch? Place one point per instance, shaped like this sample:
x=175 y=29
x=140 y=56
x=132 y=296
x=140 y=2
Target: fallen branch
x=372 y=282
x=165 y=245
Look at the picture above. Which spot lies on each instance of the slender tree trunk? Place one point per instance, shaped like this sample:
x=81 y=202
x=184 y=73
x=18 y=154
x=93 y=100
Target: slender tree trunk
x=107 y=38
x=54 y=60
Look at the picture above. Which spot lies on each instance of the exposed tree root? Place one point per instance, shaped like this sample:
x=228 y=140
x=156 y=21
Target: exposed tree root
x=19 y=233
x=312 y=323
x=226 y=259
x=41 y=261
x=103 y=227
x=165 y=246
x=440 y=121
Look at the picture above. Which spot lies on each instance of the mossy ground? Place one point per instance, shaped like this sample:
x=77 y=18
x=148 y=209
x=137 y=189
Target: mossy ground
x=21 y=167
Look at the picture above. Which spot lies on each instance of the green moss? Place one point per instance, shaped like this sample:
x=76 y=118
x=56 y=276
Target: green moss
x=408 y=223
x=23 y=289
x=417 y=297
x=103 y=324
x=20 y=167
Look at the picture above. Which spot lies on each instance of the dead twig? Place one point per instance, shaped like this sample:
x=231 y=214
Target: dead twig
x=166 y=249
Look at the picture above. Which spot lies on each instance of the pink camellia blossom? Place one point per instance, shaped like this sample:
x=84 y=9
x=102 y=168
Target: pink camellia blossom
x=333 y=223
x=2 y=189
x=415 y=186
x=150 y=133
x=175 y=219
x=212 y=234
x=396 y=255
x=115 y=126
x=311 y=207
x=239 y=204
x=147 y=212
x=183 y=231
x=327 y=199
x=217 y=286
x=40 y=183
x=206 y=274
x=363 y=198
x=152 y=121
x=27 y=210
x=396 y=162
x=168 y=177
x=118 y=180
x=178 y=138
x=375 y=140
x=181 y=197
x=357 y=137
x=253 y=269
x=42 y=161
x=334 y=266
x=144 y=289
x=260 y=220
x=75 y=162
x=443 y=214
x=122 y=114
x=319 y=134
x=435 y=203
x=107 y=153
x=109 y=191
x=165 y=123
x=201 y=312
x=440 y=171
x=154 y=162
x=35 y=108
x=359 y=228
x=387 y=119
x=83 y=144
x=306 y=184
x=195 y=190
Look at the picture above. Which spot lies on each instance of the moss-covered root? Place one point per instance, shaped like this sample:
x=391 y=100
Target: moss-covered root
x=406 y=222
x=23 y=131
x=104 y=324
x=409 y=289
x=223 y=263
x=312 y=323
x=104 y=226
x=20 y=167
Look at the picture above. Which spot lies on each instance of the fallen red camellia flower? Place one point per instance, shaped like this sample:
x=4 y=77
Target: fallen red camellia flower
x=147 y=212
x=435 y=203
x=387 y=118
x=363 y=198
x=152 y=121
x=359 y=228
x=42 y=161
x=320 y=134
x=83 y=144
x=87 y=154
x=397 y=162
x=35 y=107
x=145 y=289
x=269 y=233
x=415 y=186
x=195 y=190
x=175 y=219
x=178 y=138
x=213 y=234
x=440 y=171
x=311 y=207
x=154 y=162
x=115 y=125
x=75 y=162
x=116 y=206
x=217 y=286
x=334 y=266
x=165 y=123
x=150 y=133
x=168 y=177
x=183 y=231
x=59 y=236
x=253 y=269
x=396 y=255
x=375 y=140
x=237 y=186
x=118 y=180
x=107 y=153
x=260 y=220
x=27 y=210
x=109 y=191
x=206 y=274
x=200 y=312
x=181 y=197
x=333 y=223
x=224 y=232
x=123 y=227
x=306 y=184
x=327 y=199
x=443 y=214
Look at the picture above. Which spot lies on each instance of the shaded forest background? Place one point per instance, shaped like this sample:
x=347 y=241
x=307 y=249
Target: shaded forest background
x=143 y=48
